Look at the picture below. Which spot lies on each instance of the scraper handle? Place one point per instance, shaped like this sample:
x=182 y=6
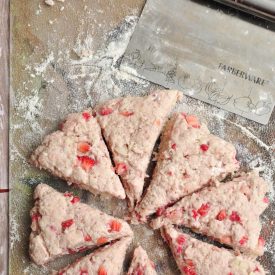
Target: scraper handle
x=261 y=8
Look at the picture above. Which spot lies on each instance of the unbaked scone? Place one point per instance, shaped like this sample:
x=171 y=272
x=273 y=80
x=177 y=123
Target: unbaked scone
x=195 y=257
x=131 y=126
x=78 y=154
x=228 y=213
x=141 y=264
x=62 y=225
x=104 y=261
x=190 y=158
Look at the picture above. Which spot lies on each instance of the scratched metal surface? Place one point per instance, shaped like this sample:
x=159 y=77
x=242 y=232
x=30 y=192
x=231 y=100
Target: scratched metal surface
x=33 y=38
x=208 y=54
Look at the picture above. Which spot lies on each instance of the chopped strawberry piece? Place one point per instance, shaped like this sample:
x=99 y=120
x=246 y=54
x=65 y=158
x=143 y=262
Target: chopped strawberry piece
x=88 y=238
x=266 y=200
x=67 y=224
x=127 y=113
x=86 y=116
x=71 y=251
x=115 y=226
x=36 y=216
x=195 y=214
x=181 y=240
x=61 y=272
x=204 y=147
x=222 y=215
x=105 y=111
x=82 y=248
x=230 y=273
x=75 y=200
x=61 y=125
x=121 y=168
x=234 y=217
x=86 y=162
x=203 y=210
x=256 y=269
x=83 y=147
x=174 y=146
x=83 y=272
x=160 y=211
x=261 y=241
x=192 y=121
x=169 y=173
x=179 y=249
x=139 y=270
x=243 y=240
x=101 y=240
x=189 y=268
x=102 y=271
x=68 y=194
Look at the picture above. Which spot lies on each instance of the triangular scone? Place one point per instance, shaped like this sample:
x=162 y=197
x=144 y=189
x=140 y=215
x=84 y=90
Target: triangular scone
x=195 y=257
x=62 y=225
x=141 y=264
x=189 y=159
x=104 y=261
x=131 y=126
x=228 y=213
x=78 y=154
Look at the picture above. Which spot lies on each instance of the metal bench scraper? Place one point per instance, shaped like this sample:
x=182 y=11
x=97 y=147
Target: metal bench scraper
x=219 y=56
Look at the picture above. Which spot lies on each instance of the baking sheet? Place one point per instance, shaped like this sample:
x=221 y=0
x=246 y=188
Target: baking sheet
x=70 y=63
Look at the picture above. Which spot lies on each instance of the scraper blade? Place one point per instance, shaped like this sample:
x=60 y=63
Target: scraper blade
x=209 y=54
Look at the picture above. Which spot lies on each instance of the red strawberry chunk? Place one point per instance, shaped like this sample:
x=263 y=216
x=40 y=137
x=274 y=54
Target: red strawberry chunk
x=83 y=147
x=192 y=121
x=36 y=216
x=234 y=217
x=105 y=111
x=261 y=241
x=222 y=215
x=75 y=200
x=102 y=271
x=61 y=272
x=83 y=272
x=115 y=226
x=127 y=113
x=88 y=238
x=160 y=211
x=195 y=214
x=256 y=269
x=67 y=224
x=243 y=240
x=68 y=194
x=180 y=239
x=86 y=162
x=266 y=200
x=174 y=146
x=121 y=168
x=138 y=271
x=170 y=173
x=86 y=116
x=230 y=273
x=179 y=249
x=189 y=268
x=101 y=240
x=204 y=147
x=203 y=210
